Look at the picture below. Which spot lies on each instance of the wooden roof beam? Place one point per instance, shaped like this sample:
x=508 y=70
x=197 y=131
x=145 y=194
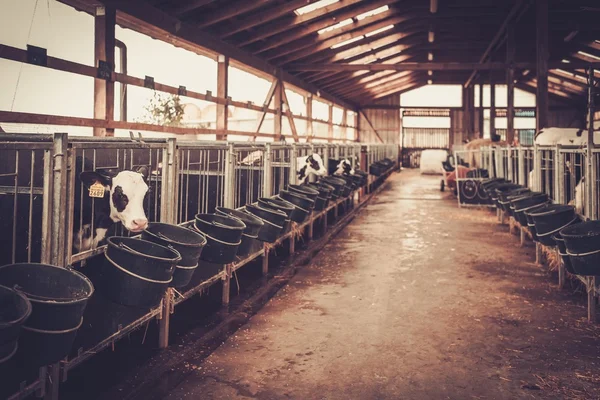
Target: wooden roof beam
x=519 y=7
x=390 y=15
x=190 y=6
x=262 y=17
x=286 y=24
x=381 y=84
x=232 y=10
x=393 y=91
x=158 y=24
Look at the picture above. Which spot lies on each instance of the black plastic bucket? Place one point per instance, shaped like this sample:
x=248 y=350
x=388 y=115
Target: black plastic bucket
x=223 y=235
x=58 y=295
x=274 y=221
x=141 y=257
x=15 y=308
x=522 y=204
x=298 y=199
x=498 y=190
x=562 y=251
x=551 y=220
x=491 y=186
x=332 y=190
x=324 y=191
x=276 y=204
x=582 y=242
x=189 y=243
x=304 y=190
x=39 y=347
x=338 y=184
x=321 y=204
x=122 y=286
x=529 y=218
x=505 y=197
x=250 y=234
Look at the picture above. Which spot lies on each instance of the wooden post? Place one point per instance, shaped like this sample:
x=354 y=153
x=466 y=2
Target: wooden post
x=226 y=285
x=278 y=98
x=163 y=331
x=590 y=197
x=104 y=50
x=222 y=91
x=591 y=295
x=356 y=130
x=510 y=85
x=265 y=260
x=561 y=271
x=481 y=116
x=330 y=123
x=344 y=122
x=542 y=64
x=492 y=106
x=309 y=123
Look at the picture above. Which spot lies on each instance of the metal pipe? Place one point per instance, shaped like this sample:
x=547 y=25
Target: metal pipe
x=590 y=210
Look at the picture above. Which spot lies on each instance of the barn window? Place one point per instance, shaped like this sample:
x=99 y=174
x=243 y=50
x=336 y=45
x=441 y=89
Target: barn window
x=376 y=11
x=314 y=6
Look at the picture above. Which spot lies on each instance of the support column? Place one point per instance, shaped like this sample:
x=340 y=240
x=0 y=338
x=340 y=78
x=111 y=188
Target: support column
x=481 y=116
x=309 y=123
x=222 y=92
x=344 y=122
x=590 y=199
x=330 y=123
x=104 y=50
x=278 y=98
x=492 y=106
x=510 y=85
x=542 y=64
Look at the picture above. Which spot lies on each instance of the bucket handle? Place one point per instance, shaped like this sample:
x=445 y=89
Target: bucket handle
x=124 y=246
x=589 y=253
x=558 y=229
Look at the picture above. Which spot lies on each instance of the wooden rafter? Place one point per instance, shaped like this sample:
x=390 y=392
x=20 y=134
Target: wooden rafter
x=285 y=25
x=371 y=126
x=230 y=11
x=396 y=91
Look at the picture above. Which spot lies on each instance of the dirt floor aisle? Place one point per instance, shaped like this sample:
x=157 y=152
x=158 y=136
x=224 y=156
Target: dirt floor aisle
x=415 y=299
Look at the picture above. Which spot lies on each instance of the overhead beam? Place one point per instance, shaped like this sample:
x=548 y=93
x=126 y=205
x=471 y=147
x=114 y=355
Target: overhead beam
x=144 y=18
x=517 y=8
x=263 y=17
x=230 y=11
x=395 y=91
x=191 y=6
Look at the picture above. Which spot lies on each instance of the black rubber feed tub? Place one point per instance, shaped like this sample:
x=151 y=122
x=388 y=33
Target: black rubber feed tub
x=522 y=204
x=304 y=190
x=297 y=199
x=498 y=190
x=324 y=191
x=331 y=189
x=582 y=242
x=490 y=187
x=253 y=227
x=562 y=251
x=551 y=220
x=321 y=204
x=189 y=243
x=529 y=218
x=223 y=235
x=58 y=295
x=39 y=347
x=142 y=257
x=274 y=221
x=276 y=204
x=510 y=210
x=336 y=183
x=122 y=286
x=504 y=197
x=15 y=308
x=298 y=214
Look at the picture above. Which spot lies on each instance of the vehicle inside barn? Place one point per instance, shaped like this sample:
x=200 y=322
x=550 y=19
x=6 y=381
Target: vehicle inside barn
x=305 y=199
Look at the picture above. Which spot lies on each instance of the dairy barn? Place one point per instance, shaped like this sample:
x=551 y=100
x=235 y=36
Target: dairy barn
x=305 y=199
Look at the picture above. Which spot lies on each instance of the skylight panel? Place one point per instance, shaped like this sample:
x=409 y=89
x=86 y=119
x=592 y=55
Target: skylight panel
x=335 y=46
x=336 y=26
x=372 y=12
x=314 y=6
x=375 y=32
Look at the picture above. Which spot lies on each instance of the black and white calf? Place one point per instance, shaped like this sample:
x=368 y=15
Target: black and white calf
x=305 y=165
x=123 y=202
x=340 y=167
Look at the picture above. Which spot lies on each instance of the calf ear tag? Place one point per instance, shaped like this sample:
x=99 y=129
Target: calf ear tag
x=97 y=190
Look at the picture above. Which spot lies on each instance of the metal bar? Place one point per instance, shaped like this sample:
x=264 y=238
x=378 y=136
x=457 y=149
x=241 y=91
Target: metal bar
x=59 y=173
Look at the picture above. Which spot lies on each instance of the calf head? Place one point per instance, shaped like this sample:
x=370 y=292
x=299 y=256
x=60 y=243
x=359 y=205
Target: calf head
x=312 y=164
x=344 y=168
x=126 y=191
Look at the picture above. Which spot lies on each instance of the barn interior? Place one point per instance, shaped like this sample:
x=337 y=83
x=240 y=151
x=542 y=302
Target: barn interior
x=394 y=289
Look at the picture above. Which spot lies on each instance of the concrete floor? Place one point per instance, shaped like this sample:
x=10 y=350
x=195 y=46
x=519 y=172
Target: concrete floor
x=415 y=299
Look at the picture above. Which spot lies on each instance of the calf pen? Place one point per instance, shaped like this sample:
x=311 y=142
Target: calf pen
x=558 y=171
x=39 y=198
